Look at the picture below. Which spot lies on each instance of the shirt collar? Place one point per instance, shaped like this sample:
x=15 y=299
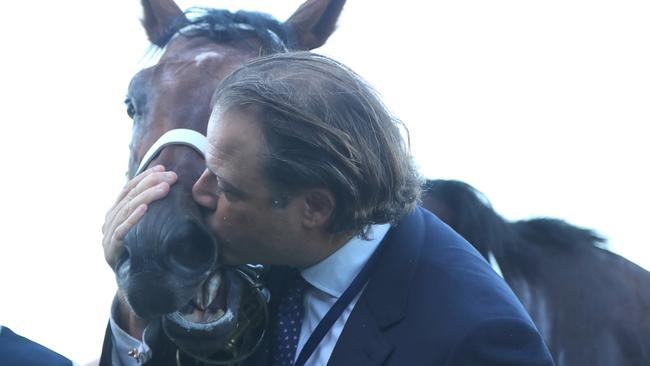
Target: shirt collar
x=335 y=273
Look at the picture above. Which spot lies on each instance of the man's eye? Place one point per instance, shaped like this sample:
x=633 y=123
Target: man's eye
x=230 y=196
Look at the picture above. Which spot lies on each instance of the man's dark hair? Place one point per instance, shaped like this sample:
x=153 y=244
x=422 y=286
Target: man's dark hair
x=323 y=126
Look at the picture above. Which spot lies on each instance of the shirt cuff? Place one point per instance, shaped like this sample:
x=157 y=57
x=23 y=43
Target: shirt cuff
x=127 y=351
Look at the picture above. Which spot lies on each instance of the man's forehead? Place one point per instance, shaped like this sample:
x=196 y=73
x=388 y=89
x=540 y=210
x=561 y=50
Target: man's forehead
x=233 y=152
x=219 y=136
x=234 y=122
x=233 y=134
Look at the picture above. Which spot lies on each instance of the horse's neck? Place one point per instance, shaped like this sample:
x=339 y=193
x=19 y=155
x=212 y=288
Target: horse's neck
x=533 y=298
x=536 y=303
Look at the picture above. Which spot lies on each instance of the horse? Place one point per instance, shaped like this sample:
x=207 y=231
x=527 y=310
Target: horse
x=591 y=306
x=170 y=270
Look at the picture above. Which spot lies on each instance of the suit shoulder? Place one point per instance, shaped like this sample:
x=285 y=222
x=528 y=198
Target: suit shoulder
x=454 y=278
x=500 y=341
x=18 y=350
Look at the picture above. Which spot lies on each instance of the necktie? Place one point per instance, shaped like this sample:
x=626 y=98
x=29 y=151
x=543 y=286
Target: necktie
x=289 y=322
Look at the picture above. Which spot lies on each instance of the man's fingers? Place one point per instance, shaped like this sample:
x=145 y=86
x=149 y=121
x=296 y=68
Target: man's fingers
x=128 y=189
x=137 y=179
x=121 y=231
x=151 y=180
x=128 y=211
x=128 y=206
x=149 y=195
x=137 y=195
x=128 y=217
x=115 y=247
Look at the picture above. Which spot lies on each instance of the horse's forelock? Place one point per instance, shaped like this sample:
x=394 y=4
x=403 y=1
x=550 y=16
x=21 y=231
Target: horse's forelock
x=224 y=26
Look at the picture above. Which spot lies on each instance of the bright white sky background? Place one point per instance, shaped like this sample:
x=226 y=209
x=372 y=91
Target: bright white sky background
x=542 y=105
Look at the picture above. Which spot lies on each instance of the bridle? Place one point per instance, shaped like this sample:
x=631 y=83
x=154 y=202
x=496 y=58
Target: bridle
x=251 y=316
x=254 y=315
x=251 y=276
x=177 y=136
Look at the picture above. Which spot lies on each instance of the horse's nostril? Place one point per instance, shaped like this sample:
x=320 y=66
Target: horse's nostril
x=192 y=252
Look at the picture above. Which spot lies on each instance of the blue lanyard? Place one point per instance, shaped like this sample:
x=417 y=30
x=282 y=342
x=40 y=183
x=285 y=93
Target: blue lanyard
x=336 y=310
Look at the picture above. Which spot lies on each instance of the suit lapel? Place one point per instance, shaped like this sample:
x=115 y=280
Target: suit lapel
x=384 y=300
x=362 y=341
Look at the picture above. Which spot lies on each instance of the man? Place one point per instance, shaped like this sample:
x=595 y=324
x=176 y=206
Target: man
x=307 y=171
x=16 y=350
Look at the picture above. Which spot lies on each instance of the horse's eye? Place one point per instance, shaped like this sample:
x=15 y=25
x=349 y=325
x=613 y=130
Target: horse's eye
x=130 y=108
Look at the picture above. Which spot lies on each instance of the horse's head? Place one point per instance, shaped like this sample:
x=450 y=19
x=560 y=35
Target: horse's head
x=171 y=266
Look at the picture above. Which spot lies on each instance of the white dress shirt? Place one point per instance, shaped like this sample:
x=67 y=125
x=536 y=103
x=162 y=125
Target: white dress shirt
x=329 y=278
x=127 y=350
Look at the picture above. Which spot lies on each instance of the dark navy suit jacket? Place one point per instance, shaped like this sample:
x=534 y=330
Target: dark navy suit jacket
x=16 y=350
x=433 y=300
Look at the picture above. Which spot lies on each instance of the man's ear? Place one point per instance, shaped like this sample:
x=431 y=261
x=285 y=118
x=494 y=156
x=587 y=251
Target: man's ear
x=319 y=205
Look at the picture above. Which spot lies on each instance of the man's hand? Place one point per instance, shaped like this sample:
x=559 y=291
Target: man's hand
x=150 y=185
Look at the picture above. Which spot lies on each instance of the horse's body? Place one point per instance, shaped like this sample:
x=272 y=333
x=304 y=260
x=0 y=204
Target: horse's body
x=171 y=263
x=591 y=306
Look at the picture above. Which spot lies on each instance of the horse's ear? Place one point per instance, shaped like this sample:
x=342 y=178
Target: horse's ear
x=158 y=17
x=314 y=21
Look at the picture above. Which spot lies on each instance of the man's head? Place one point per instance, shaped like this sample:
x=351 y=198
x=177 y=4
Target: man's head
x=314 y=141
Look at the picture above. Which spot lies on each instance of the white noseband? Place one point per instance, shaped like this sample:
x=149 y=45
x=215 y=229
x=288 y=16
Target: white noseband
x=179 y=136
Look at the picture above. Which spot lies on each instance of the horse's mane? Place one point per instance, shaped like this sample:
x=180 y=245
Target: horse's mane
x=472 y=215
x=558 y=233
x=474 y=218
x=224 y=26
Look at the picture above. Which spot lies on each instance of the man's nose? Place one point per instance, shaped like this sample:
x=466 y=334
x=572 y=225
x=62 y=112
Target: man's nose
x=205 y=191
